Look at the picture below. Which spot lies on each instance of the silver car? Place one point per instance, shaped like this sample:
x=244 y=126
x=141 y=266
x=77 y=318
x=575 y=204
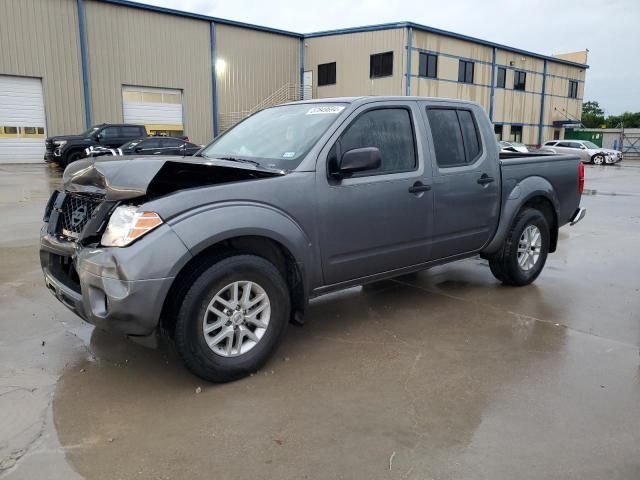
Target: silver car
x=589 y=152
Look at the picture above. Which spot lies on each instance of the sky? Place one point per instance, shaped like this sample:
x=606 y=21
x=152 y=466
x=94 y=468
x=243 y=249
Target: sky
x=610 y=29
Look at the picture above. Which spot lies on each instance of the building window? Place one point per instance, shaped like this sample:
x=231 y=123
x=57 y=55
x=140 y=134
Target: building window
x=465 y=71
x=497 y=129
x=515 y=134
x=519 y=80
x=573 y=89
x=381 y=65
x=502 y=77
x=428 y=65
x=327 y=74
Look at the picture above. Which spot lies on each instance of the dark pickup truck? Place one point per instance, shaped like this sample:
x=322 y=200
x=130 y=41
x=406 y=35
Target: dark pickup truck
x=225 y=249
x=65 y=149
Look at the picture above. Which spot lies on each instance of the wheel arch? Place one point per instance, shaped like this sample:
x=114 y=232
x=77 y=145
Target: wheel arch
x=533 y=192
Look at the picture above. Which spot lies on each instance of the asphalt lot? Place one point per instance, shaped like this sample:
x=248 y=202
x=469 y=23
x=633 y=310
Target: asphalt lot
x=442 y=374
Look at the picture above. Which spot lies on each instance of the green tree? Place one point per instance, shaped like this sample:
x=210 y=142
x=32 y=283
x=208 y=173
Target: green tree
x=626 y=120
x=592 y=115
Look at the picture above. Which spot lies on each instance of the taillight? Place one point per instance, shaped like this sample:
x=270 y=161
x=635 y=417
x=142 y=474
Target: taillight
x=580 y=177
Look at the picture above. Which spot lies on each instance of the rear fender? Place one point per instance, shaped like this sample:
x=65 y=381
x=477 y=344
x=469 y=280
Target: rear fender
x=521 y=193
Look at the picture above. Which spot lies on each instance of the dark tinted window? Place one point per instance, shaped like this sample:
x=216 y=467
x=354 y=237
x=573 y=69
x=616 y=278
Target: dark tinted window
x=519 y=80
x=497 y=129
x=465 y=71
x=502 y=77
x=110 y=132
x=516 y=133
x=575 y=145
x=469 y=135
x=131 y=131
x=573 y=89
x=172 y=142
x=428 y=65
x=381 y=65
x=151 y=143
x=447 y=137
x=564 y=144
x=327 y=74
x=388 y=129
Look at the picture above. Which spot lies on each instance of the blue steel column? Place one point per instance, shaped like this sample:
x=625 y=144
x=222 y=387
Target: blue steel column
x=493 y=83
x=85 y=65
x=541 y=124
x=409 y=52
x=301 y=68
x=214 y=92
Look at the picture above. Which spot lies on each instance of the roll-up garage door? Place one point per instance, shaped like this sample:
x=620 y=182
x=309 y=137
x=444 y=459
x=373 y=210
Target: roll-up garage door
x=159 y=109
x=22 y=120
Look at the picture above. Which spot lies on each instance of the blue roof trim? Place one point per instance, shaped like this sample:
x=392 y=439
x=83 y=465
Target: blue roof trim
x=424 y=28
x=197 y=16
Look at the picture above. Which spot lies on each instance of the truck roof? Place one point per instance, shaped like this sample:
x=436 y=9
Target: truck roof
x=380 y=98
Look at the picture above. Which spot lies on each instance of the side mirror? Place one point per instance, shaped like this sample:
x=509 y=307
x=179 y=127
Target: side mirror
x=359 y=160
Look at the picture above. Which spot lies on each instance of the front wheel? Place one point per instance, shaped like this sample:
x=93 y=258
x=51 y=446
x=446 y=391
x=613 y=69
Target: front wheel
x=232 y=318
x=598 y=159
x=72 y=157
x=524 y=252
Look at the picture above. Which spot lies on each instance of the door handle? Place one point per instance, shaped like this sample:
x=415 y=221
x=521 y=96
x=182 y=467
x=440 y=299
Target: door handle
x=485 y=179
x=419 y=187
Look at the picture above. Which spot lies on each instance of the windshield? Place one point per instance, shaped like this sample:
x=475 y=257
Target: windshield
x=590 y=145
x=90 y=132
x=277 y=137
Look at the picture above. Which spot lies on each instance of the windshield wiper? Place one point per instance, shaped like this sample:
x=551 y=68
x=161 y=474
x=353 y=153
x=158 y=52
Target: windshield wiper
x=236 y=159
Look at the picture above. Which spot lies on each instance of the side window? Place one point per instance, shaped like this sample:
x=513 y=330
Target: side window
x=388 y=129
x=519 y=80
x=130 y=131
x=151 y=143
x=428 y=65
x=327 y=74
x=564 y=144
x=465 y=71
x=381 y=65
x=455 y=136
x=110 y=132
x=447 y=137
x=575 y=145
x=470 y=135
x=172 y=142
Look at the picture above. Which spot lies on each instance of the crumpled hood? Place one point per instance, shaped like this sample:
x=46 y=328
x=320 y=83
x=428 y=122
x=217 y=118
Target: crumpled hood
x=120 y=178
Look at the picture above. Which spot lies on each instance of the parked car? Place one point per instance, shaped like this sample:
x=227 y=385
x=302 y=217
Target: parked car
x=159 y=145
x=512 y=147
x=588 y=152
x=224 y=249
x=66 y=149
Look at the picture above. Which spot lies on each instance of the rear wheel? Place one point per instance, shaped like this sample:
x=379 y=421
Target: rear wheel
x=524 y=252
x=232 y=318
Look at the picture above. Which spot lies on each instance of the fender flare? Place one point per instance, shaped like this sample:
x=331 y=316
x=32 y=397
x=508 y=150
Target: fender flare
x=210 y=224
x=520 y=194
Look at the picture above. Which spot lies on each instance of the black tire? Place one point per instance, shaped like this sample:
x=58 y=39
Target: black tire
x=72 y=157
x=189 y=337
x=600 y=157
x=504 y=264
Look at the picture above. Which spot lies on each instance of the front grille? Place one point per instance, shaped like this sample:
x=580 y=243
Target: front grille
x=75 y=213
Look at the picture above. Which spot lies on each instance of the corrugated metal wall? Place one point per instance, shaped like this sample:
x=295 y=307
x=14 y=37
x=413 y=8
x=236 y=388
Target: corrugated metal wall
x=352 y=52
x=39 y=38
x=256 y=65
x=130 y=46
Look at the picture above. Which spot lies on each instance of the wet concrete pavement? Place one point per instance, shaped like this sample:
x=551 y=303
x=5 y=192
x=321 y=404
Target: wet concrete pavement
x=442 y=374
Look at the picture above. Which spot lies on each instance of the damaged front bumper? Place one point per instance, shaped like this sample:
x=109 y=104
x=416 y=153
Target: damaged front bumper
x=103 y=285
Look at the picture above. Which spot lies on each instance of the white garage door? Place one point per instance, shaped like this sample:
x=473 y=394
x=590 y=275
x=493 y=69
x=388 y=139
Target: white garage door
x=22 y=120
x=159 y=109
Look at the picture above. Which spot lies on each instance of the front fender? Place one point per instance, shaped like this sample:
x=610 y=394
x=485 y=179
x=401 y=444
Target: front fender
x=210 y=224
x=520 y=194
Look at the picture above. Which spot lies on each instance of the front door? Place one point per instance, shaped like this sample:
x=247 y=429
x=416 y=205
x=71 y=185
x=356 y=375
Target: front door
x=377 y=220
x=307 y=85
x=466 y=184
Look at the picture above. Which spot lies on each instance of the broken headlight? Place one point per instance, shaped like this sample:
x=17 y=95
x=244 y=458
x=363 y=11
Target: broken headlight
x=128 y=224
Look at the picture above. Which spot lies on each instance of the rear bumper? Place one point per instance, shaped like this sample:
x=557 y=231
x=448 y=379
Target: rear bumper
x=577 y=216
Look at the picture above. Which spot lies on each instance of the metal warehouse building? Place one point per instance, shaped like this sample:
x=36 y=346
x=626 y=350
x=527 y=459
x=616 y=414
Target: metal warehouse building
x=69 y=64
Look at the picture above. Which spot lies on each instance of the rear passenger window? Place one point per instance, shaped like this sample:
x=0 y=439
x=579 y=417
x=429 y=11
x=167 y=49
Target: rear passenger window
x=130 y=131
x=447 y=137
x=455 y=136
x=469 y=135
x=388 y=129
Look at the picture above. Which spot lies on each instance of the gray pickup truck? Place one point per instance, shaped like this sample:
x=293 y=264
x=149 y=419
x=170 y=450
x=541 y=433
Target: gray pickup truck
x=224 y=250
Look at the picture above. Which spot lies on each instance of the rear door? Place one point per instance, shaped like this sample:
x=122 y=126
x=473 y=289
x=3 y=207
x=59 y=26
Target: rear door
x=111 y=137
x=378 y=220
x=466 y=179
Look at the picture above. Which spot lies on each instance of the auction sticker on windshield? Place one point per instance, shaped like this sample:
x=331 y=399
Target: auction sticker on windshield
x=328 y=109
